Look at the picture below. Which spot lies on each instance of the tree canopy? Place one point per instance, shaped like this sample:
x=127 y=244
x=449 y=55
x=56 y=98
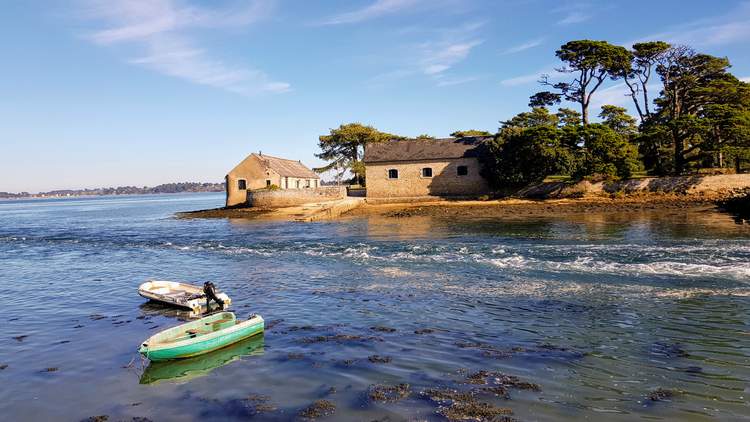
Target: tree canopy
x=344 y=148
x=470 y=132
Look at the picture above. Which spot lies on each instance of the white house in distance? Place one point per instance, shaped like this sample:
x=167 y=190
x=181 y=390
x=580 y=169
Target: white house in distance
x=259 y=171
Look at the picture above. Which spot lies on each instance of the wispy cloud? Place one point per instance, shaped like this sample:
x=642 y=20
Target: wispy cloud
x=161 y=30
x=745 y=79
x=441 y=56
x=733 y=27
x=574 y=13
x=375 y=10
x=437 y=57
x=524 y=46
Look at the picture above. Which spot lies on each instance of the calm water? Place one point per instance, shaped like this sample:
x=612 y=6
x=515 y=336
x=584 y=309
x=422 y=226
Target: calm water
x=599 y=310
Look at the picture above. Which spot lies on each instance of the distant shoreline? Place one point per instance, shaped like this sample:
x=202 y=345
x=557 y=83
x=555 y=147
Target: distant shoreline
x=35 y=197
x=180 y=187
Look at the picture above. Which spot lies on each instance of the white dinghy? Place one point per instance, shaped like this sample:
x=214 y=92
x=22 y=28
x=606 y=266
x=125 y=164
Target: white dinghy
x=178 y=294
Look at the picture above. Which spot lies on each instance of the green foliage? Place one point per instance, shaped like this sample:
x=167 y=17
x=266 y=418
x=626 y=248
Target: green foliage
x=424 y=137
x=272 y=187
x=617 y=119
x=591 y=63
x=344 y=147
x=526 y=155
x=470 y=132
x=606 y=152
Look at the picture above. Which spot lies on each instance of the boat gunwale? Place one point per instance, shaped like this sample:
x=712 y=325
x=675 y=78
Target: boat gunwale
x=256 y=320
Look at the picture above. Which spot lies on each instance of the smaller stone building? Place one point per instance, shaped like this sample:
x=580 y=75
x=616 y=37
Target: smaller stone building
x=259 y=171
x=416 y=168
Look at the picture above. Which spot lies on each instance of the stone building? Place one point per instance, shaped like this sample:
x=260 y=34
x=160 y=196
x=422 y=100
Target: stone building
x=418 y=168
x=259 y=171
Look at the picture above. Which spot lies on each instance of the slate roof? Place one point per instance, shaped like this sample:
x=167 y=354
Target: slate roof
x=418 y=149
x=287 y=168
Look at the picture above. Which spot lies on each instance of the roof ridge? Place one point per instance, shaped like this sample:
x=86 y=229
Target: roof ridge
x=278 y=158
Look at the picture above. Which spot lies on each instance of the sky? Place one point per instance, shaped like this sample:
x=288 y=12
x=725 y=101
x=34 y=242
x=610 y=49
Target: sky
x=98 y=93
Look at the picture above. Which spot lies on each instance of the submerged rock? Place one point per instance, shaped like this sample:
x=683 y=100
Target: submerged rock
x=3 y=366
x=20 y=338
x=99 y=418
x=661 y=394
x=383 y=329
x=669 y=350
x=379 y=359
x=388 y=393
x=424 y=331
x=317 y=409
x=50 y=369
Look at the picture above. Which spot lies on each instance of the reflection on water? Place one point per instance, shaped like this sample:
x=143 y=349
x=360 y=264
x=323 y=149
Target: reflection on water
x=640 y=315
x=187 y=369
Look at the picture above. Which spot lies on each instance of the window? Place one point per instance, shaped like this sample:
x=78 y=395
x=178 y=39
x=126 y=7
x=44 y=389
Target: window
x=297 y=183
x=427 y=172
x=268 y=183
x=462 y=170
x=392 y=174
x=286 y=183
x=307 y=183
x=241 y=184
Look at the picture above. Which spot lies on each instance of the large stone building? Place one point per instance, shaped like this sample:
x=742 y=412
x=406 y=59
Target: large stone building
x=417 y=168
x=259 y=171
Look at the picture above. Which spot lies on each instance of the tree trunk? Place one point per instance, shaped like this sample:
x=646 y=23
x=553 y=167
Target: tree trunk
x=585 y=113
x=679 y=153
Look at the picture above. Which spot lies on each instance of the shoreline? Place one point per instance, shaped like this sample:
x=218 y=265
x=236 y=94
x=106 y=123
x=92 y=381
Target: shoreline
x=499 y=208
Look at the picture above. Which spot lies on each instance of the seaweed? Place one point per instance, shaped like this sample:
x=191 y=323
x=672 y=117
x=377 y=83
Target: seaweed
x=498 y=378
x=473 y=410
x=339 y=338
x=379 y=359
x=388 y=393
x=317 y=409
x=424 y=331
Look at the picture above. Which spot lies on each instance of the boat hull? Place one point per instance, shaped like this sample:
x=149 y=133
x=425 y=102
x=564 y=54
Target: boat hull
x=199 y=346
x=163 y=292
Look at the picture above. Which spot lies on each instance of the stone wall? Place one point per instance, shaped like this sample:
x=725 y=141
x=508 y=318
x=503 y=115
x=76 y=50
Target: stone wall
x=445 y=180
x=700 y=185
x=291 y=197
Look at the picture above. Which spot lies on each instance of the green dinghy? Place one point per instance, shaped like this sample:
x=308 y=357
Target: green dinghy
x=202 y=336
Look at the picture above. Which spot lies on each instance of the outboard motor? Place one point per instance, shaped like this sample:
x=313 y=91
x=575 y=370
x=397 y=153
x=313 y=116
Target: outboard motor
x=210 y=290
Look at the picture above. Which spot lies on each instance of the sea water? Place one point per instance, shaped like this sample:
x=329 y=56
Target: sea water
x=599 y=310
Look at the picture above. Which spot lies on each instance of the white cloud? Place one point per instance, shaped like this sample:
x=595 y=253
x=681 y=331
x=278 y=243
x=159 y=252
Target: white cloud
x=745 y=79
x=160 y=28
x=574 y=17
x=451 y=81
x=524 y=46
x=731 y=28
x=574 y=13
x=375 y=10
x=441 y=56
x=435 y=58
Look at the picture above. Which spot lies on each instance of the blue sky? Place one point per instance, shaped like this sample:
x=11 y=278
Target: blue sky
x=114 y=92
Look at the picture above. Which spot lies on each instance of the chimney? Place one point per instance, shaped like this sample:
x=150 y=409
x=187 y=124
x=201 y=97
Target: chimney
x=260 y=153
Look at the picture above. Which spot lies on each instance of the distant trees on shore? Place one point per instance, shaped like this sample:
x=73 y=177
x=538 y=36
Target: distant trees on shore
x=181 y=187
